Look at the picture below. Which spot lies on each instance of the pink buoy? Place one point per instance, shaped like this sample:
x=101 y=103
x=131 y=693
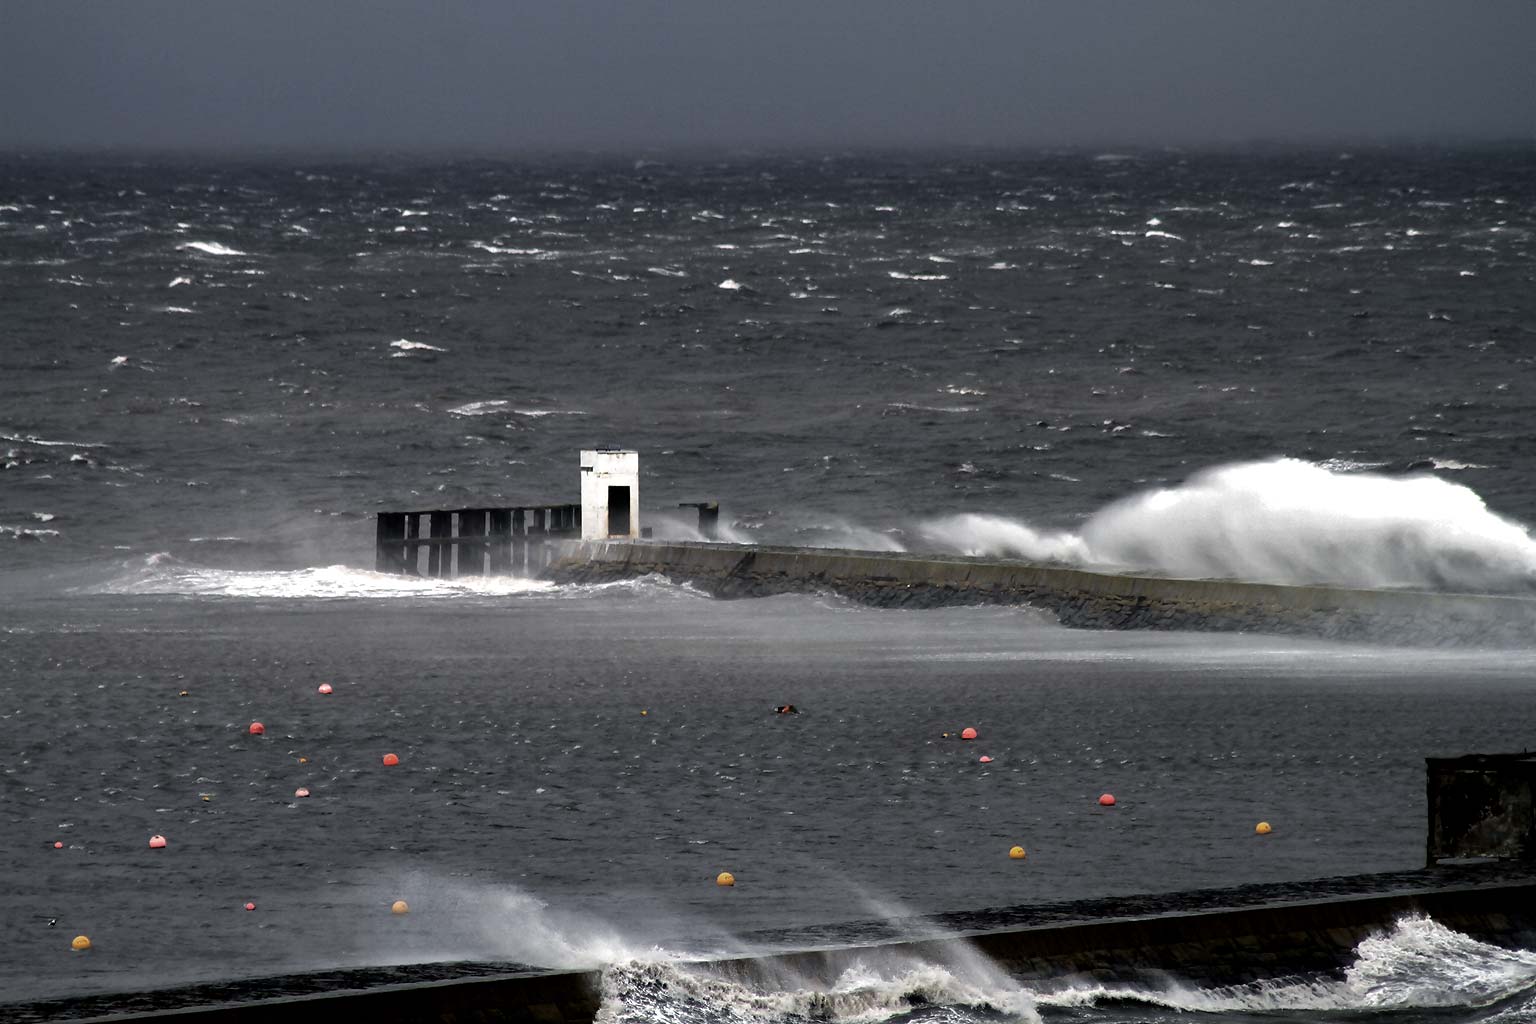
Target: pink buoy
x=250 y=906
x=968 y=733
x=257 y=729
x=301 y=792
x=1107 y=800
x=325 y=688
x=157 y=842
x=58 y=845
x=985 y=759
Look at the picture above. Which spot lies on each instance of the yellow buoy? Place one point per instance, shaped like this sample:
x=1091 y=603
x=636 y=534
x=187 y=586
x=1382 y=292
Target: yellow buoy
x=399 y=907
x=1262 y=828
x=725 y=878
x=1017 y=853
x=80 y=943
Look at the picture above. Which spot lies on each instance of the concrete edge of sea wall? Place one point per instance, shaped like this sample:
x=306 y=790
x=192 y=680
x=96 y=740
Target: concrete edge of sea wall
x=1218 y=946
x=1075 y=597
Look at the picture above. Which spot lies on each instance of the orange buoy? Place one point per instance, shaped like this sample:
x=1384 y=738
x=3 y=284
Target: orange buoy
x=157 y=842
x=399 y=907
x=58 y=845
x=324 y=688
x=257 y=729
x=80 y=943
x=301 y=792
x=1017 y=853
x=984 y=759
x=968 y=733
x=1262 y=828
x=250 y=906
x=1107 y=800
x=391 y=759
x=725 y=878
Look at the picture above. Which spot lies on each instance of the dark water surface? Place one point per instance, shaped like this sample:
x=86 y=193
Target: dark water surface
x=204 y=396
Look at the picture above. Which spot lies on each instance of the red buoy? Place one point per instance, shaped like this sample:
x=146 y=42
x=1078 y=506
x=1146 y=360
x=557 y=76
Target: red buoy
x=257 y=729
x=968 y=733
x=391 y=759
x=325 y=688
x=985 y=759
x=1107 y=800
x=250 y=906
x=58 y=845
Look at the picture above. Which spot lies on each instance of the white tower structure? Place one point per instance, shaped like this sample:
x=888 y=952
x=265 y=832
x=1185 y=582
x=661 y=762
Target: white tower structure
x=610 y=493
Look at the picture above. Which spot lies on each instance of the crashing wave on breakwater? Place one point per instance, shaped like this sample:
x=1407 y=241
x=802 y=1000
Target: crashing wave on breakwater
x=1280 y=521
x=1417 y=964
x=162 y=574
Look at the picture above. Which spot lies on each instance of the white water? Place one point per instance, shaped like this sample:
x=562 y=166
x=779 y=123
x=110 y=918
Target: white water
x=161 y=574
x=1416 y=964
x=1281 y=521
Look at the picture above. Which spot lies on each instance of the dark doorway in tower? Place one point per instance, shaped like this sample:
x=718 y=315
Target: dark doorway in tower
x=618 y=511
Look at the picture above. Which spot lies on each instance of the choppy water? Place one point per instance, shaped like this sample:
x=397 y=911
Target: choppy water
x=1285 y=366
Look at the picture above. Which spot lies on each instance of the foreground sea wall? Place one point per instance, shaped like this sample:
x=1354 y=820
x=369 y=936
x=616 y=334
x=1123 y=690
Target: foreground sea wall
x=1244 y=935
x=1086 y=600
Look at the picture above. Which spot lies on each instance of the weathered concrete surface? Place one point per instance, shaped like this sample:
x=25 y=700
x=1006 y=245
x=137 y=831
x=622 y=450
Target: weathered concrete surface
x=1086 y=600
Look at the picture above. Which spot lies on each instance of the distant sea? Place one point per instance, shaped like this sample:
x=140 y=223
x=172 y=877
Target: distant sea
x=1293 y=367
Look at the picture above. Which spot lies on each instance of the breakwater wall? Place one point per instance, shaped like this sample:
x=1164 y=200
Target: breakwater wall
x=1216 y=946
x=1081 y=599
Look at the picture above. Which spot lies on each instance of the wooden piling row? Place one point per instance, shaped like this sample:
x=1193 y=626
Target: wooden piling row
x=498 y=541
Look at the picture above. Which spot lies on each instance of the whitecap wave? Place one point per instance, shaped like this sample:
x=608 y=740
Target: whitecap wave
x=495 y=406
x=27 y=532
x=46 y=443
x=212 y=249
x=405 y=346
x=1281 y=521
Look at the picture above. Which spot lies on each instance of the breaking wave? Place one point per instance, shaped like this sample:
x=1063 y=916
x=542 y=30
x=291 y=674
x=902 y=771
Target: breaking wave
x=1281 y=521
x=1417 y=964
x=882 y=985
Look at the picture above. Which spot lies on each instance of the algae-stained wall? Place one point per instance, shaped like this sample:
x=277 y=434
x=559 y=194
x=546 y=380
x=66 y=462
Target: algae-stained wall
x=1076 y=597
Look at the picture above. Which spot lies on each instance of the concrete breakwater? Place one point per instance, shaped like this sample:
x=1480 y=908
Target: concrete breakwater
x=1222 y=945
x=1081 y=599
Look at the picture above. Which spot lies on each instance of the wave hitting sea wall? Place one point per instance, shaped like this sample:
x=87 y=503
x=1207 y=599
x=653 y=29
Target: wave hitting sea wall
x=1080 y=599
x=1225 y=946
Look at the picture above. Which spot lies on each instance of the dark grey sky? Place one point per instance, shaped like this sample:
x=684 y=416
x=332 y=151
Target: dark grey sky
x=626 y=74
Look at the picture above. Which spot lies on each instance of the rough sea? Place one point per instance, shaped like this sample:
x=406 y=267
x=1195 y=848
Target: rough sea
x=1282 y=366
